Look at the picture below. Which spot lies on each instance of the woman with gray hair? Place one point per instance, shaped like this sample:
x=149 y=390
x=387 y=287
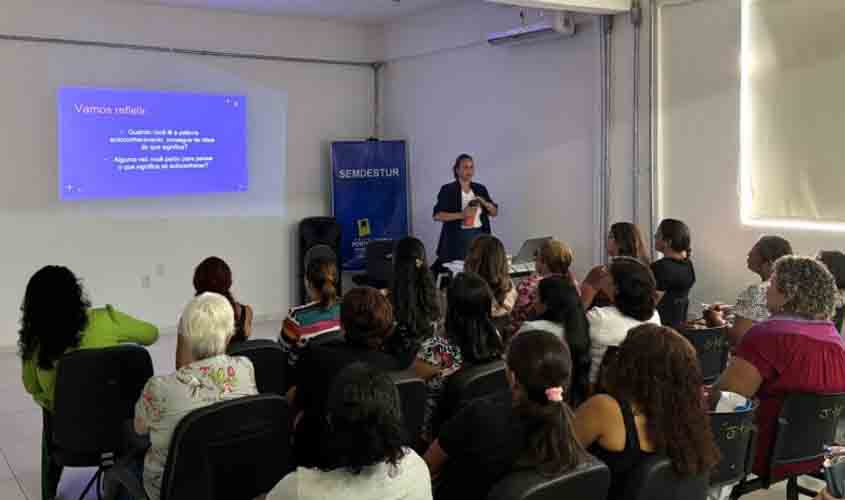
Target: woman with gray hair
x=796 y=350
x=206 y=325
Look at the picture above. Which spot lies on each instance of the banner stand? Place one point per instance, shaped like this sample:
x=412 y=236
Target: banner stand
x=370 y=197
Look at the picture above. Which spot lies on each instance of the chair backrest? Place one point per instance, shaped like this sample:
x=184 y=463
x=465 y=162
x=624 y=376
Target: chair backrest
x=471 y=383
x=96 y=392
x=234 y=450
x=712 y=350
x=590 y=480
x=807 y=422
x=380 y=263
x=734 y=434
x=412 y=396
x=269 y=361
x=655 y=479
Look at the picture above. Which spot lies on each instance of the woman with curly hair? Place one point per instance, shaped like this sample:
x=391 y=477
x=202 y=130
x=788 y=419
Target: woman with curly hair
x=633 y=288
x=796 y=350
x=653 y=406
x=361 y=455
x=57 y=318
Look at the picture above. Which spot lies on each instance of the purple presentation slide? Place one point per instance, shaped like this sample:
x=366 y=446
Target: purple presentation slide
x=136 y=143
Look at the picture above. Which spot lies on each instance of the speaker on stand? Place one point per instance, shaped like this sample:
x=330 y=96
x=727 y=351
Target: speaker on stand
x=318 y=237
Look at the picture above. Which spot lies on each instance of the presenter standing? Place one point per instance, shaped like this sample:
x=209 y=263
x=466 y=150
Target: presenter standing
x=464 y=207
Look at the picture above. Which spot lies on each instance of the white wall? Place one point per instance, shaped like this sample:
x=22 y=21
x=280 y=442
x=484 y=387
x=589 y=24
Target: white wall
x=529 y=114
x=699 y=145
x=324 y=103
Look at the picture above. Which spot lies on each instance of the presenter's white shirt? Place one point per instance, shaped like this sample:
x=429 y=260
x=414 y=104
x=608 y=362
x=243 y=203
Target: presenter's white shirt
x=408 y=480
x=609 y=327
x=465 y=199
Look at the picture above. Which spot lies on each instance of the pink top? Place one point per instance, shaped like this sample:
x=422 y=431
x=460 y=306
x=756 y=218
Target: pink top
x=792 y=355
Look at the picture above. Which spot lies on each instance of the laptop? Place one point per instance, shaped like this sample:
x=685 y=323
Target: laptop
x=524 y=260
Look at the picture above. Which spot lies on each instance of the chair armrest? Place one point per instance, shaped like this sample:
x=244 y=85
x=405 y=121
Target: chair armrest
x=123 y=474
x=136 y=445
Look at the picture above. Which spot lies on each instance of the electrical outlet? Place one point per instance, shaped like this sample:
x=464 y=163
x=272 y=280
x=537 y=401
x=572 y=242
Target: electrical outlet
x=146 y=281
x=160 y=270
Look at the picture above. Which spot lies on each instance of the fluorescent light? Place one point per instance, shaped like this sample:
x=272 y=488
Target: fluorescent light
x=586 y=6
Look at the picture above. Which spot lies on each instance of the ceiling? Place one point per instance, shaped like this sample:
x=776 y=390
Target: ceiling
x=366 y=11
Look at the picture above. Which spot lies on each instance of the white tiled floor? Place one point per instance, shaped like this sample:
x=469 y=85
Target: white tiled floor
x=20 y=430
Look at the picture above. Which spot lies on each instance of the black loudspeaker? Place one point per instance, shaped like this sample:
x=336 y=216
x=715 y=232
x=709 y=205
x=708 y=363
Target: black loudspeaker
x=318 y=237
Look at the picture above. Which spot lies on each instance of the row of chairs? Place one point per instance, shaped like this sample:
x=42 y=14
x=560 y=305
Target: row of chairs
x=97 y=389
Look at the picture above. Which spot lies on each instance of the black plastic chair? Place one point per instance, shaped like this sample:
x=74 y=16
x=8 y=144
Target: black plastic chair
x=467 y=384
x=655 y=479
x=412 y=395
x=735 y=437
x=712 y=349
x=269 y=361
x=233 y=450
x=590 y=480
x=96 y=392
x=806 y=424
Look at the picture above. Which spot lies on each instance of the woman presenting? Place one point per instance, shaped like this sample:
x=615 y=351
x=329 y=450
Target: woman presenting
x=464 y=207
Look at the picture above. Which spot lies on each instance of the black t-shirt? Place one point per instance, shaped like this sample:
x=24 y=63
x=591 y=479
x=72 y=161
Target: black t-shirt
x=316 y=369
x=675 y=278
x=483 y=441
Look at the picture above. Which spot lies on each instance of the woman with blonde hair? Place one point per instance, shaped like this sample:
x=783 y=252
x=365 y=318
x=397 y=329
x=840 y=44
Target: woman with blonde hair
x=553 y=258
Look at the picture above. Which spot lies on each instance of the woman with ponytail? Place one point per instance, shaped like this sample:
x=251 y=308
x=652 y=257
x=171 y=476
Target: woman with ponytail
x=674 y=273
x=414 y=298
x=214 y=275
x=528 y=427
x=318 y=317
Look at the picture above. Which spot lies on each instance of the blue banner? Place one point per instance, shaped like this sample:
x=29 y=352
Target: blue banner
x=369 y=195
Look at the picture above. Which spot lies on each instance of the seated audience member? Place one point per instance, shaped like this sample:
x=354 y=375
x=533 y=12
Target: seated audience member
x=318 y=317
x=528 y=427
x=552 y=259
x=366 y=319
x=750 y=305
x=57 y=318
x=210 y=376
x=561 y=313
x=469 y=339
x=214 y=275
x=653 y=406
x=674 y=273
x=632 y=286
x=835 y=263
x=796 y=350
x=624 y=240
x=487 y=258
x=361 y=455
x=416 y=306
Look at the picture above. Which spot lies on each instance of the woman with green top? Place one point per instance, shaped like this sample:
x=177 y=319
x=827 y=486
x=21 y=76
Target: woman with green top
x=57 y=318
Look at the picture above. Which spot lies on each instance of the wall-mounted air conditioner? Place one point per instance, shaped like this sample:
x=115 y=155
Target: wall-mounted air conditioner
x=558 y=25
x=586 y=6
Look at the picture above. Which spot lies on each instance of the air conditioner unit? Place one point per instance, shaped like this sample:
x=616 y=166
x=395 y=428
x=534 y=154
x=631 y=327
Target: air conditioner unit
x=586 y=6
x=558 y=25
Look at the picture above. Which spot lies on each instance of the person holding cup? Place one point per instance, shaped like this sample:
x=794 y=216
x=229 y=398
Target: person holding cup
x=464 y=207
